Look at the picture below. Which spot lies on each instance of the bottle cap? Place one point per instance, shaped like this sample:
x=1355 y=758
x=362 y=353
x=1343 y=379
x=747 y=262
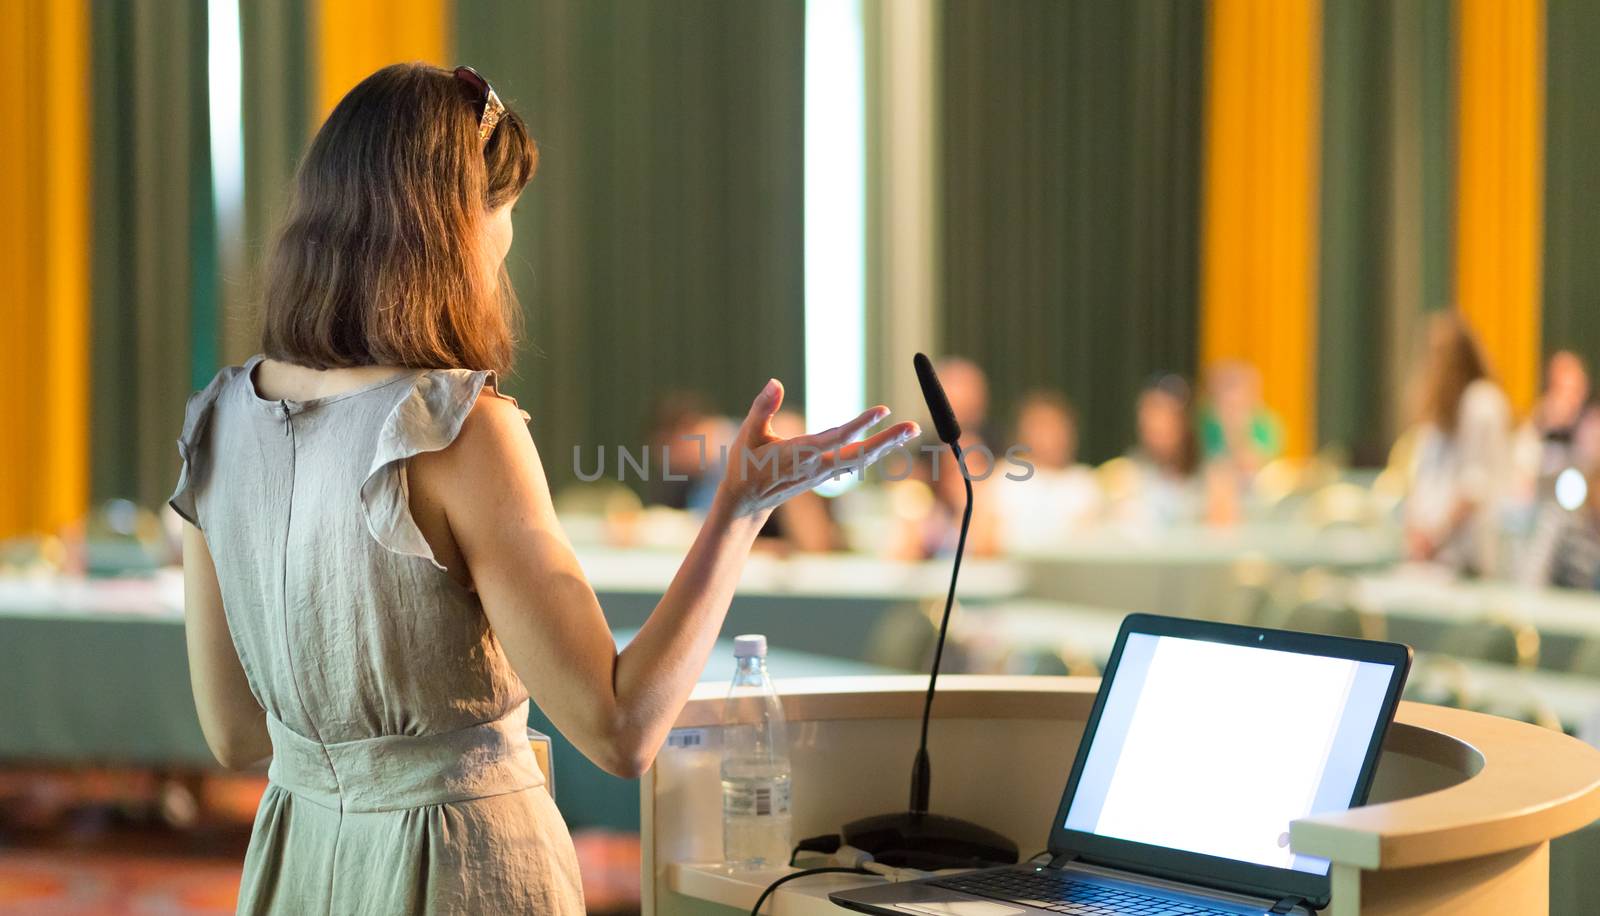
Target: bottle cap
x=752 y=645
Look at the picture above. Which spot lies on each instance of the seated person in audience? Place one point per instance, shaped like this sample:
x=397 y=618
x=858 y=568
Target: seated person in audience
x=929 y=520
x=805 y=523
x=1167 y=457
x=1061 y=497
x=1463 y=455
x=967 y=388
x=1563 y=548
x=684 y=430
x=931 y=525
x=1543 y=445
x=1236 y=428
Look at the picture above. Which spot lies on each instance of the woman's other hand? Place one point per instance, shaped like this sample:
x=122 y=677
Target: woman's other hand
x=764 y=470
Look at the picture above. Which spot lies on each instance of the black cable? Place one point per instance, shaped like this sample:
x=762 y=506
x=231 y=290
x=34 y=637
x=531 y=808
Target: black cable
x=829 y=870
x=828 y=843
x=920 y=776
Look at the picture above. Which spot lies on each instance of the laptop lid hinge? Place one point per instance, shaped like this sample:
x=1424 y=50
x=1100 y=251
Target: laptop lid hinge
x=1287 y=905
x=1062 y=859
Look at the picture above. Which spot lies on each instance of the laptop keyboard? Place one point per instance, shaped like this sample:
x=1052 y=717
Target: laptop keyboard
x=1050 y=890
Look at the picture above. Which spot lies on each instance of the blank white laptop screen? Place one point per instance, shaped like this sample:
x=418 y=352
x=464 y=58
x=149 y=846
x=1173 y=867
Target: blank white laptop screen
x=1214 y=748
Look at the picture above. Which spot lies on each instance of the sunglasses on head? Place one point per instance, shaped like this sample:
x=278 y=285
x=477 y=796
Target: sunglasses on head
x=479 y=92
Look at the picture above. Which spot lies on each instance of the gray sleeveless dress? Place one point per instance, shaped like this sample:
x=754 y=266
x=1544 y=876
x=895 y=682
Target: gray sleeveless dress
x=401 y=778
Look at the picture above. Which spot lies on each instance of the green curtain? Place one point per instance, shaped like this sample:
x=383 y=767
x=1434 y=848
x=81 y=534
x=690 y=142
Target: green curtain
x=660 y=247
x=1356 y=217
x=1572 y=180
x=1434 y=46
x=1071 y=135
x=275 y=45
x=153 y=239
x=1386 y=190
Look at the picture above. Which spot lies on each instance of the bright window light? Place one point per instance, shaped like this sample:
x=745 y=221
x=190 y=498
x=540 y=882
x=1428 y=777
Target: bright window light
x=835 y=216
x=224 y=67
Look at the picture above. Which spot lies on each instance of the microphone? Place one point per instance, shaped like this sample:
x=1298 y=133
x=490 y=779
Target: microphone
x=944 y=419
x=915 y=838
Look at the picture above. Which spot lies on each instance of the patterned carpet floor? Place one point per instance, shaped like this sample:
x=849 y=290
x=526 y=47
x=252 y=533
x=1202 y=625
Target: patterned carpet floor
x=105 y=843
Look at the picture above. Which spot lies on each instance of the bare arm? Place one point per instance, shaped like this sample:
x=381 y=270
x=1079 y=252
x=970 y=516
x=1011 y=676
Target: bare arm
x=233 y=722
x=615 y=707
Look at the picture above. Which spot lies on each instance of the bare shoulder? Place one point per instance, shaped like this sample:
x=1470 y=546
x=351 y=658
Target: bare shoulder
x=494 y=444
x=495 y=426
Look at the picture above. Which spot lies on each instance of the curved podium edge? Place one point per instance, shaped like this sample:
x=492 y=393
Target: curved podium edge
x=960 y=696
x=1524 y=785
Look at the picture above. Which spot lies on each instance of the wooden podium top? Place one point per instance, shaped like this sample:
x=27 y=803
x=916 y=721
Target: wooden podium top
x=1521 y=785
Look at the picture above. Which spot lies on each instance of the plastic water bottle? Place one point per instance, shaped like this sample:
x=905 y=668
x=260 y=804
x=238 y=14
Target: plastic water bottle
x=755 y=764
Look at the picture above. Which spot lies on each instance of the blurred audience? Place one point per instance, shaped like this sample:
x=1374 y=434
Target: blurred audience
x=1543 y=447
x=967 y=388
x=931 y=527
x=1564 y=546
x=1236 y=428
x=1238 y=437
x=1480 y=499
x=1463 y=455
x=1166 y=457
x=1061 y=497
x=685 y=439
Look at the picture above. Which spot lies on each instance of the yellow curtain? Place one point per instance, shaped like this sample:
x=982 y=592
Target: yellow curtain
x=1499 y=216
x=1259 y=227
x=355 y=37
x=44 y=264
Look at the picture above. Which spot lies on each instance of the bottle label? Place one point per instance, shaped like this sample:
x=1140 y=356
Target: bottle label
x=686 y=738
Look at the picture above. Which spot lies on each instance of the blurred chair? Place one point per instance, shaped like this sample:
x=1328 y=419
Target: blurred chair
x=1324 y=468
x=904 y=637
x=1495 y=638
x=1118 y=479
x=1064 y=660
x=1390 y=487
x=1250 y=596
x=1278 y=489
x=1586 y=659
x=1340 y=505
x=1521 y=706
x=121 y=538
x=1440 y=681
x=603 y=498
x=1327 y=619
x=1325 y=603
x=600 y=512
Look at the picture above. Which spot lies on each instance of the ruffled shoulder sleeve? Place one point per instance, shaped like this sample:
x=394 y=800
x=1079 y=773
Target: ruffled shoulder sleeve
x=427 y=419
x=191 y=444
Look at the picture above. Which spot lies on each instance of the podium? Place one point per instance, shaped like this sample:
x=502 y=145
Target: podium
x=1463 y=809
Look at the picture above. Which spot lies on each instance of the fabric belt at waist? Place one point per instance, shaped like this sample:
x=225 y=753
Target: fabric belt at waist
x=395 y=772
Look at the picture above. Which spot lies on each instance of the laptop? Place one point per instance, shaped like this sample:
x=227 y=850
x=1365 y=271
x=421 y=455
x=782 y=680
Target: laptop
x=1206 y=740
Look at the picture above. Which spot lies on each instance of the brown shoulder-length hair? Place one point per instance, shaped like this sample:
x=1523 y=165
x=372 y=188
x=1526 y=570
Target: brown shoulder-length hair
x=1454 y=361
x=380 y=259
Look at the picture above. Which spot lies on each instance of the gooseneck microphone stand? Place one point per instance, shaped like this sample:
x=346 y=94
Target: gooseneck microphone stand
x=916 y=838
x=921 y=775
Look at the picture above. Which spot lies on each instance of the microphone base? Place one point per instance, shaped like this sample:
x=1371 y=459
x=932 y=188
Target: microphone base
x=928 y=841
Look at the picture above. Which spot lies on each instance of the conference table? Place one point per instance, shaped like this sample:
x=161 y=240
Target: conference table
x=1189 y=570
x=829 y=604
x=991 y=635
x=1422 y=605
